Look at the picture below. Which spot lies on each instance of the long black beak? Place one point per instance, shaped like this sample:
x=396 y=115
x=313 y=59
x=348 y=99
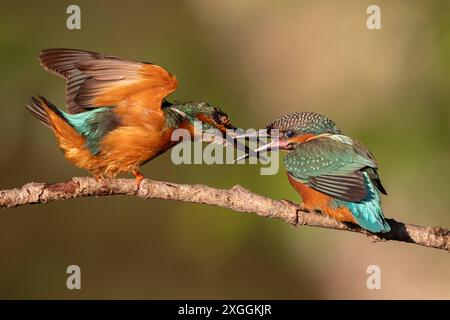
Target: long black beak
x=254 y=153
x=275 y=143
x=231 y=137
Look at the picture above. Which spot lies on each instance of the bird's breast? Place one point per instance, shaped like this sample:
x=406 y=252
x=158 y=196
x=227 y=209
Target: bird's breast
x=140 y=137
x=315 y=200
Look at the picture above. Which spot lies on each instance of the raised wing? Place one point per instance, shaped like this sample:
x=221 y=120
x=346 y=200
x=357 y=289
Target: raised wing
x=96 y=80
x=333 y=165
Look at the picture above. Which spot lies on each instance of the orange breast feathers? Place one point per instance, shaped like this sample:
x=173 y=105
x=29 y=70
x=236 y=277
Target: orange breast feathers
x=315 y=200
x=141 y=137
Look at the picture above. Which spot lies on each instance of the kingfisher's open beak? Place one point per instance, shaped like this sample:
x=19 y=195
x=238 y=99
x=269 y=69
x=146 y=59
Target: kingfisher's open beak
x=227 y=136
x=231 y=139
x=277 y=142
x=262 y=133
x=249 y=152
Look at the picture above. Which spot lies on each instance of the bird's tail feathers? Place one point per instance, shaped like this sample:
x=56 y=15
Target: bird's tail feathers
x=40 y=107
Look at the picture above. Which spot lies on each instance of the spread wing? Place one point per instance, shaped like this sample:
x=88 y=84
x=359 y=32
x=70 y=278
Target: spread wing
x=97 y=80
x=333 y=165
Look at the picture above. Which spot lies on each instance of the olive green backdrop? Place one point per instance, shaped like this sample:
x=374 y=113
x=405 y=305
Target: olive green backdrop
x=257 y=60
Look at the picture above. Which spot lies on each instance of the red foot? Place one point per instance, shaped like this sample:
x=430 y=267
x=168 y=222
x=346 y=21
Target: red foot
x=139 y=177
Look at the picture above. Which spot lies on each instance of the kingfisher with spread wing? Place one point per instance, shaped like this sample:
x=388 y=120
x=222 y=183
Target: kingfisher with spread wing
x=333 y=173
x=118 y=117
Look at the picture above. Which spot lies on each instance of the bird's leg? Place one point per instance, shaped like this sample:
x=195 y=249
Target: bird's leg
x=105 y=183
x=99 y=177
x=139 y=177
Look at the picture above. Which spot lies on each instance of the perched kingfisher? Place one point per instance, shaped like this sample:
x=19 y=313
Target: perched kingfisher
x=333 y=173
x=118 y=118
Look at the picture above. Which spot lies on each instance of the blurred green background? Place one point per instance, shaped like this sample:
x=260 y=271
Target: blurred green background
x=257 y=60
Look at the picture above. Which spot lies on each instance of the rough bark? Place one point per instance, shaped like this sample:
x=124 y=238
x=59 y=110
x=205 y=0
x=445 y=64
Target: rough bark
x=237 y=199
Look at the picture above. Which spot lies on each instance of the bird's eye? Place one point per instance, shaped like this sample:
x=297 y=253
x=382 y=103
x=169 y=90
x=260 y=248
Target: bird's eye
x=289 y=134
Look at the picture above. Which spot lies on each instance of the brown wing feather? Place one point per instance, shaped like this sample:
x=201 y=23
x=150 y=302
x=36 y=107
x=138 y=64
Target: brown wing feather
x=97 y=80
x=349 y=187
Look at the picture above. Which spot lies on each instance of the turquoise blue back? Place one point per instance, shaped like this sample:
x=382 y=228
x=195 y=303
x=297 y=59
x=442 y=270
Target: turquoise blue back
x=93 y=125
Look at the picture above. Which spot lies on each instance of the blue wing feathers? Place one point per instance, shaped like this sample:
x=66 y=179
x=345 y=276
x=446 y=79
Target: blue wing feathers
x=367 y=213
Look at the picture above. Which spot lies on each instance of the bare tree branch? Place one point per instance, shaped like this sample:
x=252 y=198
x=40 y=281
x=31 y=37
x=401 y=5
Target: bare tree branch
x=237 y=199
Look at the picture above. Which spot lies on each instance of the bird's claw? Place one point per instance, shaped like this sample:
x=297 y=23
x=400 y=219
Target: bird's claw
x=139 y=177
